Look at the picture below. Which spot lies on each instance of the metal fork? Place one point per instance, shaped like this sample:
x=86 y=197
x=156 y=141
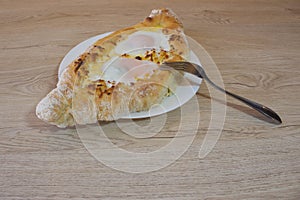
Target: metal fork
x=199 y=71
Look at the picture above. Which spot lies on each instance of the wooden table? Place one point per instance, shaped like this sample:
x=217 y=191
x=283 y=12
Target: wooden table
x=255 y=45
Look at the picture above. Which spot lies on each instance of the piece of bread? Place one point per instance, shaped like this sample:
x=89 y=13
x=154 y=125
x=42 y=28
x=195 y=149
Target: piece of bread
x=83 y=95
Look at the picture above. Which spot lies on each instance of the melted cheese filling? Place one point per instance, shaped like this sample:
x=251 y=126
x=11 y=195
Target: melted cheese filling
x=130 y=68
x=143 y=40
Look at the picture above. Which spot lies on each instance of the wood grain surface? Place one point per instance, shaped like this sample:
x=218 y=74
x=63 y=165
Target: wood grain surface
x=256 y=47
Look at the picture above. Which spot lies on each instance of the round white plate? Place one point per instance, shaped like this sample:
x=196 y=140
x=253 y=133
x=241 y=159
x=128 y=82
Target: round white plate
x=182 y=94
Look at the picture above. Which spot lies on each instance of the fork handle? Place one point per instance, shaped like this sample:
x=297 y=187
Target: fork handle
x=259 y=107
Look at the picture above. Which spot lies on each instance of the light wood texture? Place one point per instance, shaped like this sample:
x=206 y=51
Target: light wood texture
x=256 y=46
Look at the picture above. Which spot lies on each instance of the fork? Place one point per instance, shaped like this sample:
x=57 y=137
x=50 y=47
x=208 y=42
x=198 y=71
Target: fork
x=197 y=70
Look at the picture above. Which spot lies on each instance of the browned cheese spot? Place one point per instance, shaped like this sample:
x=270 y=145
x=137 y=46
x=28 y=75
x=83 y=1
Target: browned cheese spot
x=78 y=64
x=138 y=58
x=149 y=19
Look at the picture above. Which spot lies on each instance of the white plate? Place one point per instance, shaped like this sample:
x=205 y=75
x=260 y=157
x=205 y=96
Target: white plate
x=182 y=94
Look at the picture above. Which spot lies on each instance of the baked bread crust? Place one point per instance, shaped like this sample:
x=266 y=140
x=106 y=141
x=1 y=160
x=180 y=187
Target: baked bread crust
x=83 y=96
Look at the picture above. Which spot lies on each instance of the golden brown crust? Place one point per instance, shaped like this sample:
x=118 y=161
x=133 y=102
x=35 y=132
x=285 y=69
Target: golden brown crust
x=82 y=95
